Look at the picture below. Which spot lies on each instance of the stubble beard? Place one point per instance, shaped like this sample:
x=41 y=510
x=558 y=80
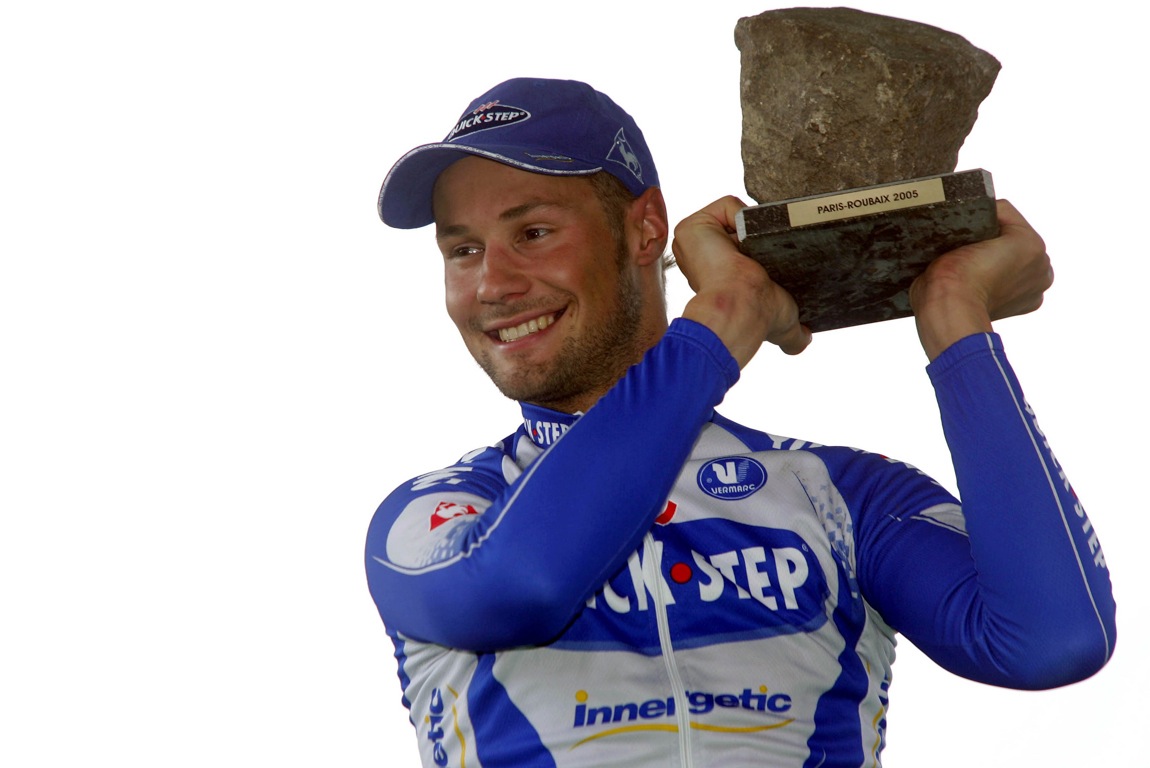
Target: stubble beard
x=586 y=366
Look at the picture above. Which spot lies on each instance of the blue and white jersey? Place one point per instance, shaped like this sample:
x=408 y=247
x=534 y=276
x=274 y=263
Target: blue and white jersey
x=650 y=584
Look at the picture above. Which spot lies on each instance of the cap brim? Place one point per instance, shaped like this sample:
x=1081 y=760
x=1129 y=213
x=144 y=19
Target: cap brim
x=405 y=197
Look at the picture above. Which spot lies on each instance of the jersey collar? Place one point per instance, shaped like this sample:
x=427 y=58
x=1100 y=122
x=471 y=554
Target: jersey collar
x=544 y=426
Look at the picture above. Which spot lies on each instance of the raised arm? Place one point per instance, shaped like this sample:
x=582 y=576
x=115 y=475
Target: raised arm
x=476 y=558
x=1015 y=591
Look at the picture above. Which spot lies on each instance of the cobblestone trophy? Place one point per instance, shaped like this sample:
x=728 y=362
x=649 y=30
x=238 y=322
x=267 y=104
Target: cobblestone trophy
x=852 y=124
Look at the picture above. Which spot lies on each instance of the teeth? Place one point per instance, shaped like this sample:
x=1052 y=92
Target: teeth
x=524 y=329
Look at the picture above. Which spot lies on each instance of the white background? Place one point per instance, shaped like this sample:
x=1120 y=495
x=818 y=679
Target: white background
x=216 y=361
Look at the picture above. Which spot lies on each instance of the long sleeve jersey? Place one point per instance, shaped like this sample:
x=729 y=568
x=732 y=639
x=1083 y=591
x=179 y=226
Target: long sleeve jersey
x=651 y=584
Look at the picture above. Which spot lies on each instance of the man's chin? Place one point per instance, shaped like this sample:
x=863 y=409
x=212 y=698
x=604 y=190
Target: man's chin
x=528 y=389
x=516 y=390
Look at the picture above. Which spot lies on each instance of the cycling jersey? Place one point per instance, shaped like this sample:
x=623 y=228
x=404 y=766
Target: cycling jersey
x=651 y=584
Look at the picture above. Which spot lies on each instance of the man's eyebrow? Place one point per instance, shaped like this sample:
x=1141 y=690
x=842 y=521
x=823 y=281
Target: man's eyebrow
x=454 y=230
x=528 y=207
x=449 y=230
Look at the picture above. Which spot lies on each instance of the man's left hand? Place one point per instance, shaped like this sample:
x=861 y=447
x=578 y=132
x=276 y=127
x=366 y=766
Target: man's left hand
x=961 y=292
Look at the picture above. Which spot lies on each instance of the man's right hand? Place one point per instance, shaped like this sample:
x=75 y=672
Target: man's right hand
x=734 y=296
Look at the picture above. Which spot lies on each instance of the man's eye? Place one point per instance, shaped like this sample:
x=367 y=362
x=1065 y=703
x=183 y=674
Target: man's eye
x=465 y=250
x=534 y=233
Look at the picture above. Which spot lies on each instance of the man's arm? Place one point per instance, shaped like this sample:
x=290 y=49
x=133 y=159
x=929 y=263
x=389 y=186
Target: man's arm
x=519 y=570
x=1025 y=599
x=1015 y=592
x=1039 y=610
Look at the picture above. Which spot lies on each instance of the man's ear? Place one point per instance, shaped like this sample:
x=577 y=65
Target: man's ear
x=647 y=224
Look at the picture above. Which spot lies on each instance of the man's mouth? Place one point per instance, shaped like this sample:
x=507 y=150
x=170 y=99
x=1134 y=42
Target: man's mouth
x=533 y=325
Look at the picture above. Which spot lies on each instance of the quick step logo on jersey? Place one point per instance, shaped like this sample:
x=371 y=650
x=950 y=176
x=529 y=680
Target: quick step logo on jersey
x=733 y=477
x=767 y=583
x=750 y=566
x=634 y=713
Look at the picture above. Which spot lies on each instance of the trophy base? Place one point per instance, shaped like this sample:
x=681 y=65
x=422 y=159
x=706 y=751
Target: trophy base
x=848 y=258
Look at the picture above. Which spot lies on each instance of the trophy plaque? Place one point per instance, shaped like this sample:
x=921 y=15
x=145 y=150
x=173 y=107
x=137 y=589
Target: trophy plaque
x=849 y=257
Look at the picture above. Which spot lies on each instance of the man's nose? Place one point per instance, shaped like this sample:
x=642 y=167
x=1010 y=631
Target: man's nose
x=502 y=276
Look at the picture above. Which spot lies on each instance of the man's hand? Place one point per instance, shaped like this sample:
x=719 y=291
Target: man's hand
x=961 y=292
x=734 y=296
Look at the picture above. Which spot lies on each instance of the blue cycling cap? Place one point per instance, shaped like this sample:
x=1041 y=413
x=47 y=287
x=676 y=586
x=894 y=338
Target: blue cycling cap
x=555 y=127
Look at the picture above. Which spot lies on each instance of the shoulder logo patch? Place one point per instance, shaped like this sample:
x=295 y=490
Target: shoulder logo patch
x=449 y=510
x=732 y=477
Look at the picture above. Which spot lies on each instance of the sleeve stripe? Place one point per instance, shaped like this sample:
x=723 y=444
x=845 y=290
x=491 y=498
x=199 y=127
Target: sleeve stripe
x=1042 y=458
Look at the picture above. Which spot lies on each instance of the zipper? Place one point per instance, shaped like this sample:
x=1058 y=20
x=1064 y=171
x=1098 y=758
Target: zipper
x=652 y=576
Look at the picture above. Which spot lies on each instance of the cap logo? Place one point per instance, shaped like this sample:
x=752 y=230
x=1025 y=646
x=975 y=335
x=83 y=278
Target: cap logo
x=485 y=116
x=622 y=154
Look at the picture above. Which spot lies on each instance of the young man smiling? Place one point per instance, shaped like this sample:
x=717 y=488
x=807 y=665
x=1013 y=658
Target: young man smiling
x=631 y=579
x=550 y=303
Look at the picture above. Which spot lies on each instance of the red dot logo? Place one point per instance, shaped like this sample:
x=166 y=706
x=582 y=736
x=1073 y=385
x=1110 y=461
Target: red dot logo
x=681 y=573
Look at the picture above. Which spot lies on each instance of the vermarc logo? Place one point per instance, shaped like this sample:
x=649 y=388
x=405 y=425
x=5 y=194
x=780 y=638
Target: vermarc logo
x=733 y=477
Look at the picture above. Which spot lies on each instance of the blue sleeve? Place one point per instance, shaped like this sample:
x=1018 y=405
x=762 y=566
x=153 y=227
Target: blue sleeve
x=513 y=564
x=1014 y=591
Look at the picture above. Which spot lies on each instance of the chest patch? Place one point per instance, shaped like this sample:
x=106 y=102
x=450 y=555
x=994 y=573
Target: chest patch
x=732 y=477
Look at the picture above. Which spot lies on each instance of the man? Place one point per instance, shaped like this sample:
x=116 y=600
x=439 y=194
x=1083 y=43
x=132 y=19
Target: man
x=631 y=579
